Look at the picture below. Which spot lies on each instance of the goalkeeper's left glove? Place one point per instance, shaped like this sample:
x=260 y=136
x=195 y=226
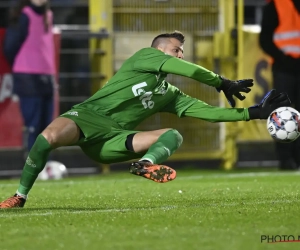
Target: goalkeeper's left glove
x=268 y=104
x=233 y=88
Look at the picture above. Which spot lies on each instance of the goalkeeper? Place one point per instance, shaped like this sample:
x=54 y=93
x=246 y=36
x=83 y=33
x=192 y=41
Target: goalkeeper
x=103 y=125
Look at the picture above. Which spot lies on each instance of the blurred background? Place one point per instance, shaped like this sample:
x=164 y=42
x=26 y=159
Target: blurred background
x=94 y=37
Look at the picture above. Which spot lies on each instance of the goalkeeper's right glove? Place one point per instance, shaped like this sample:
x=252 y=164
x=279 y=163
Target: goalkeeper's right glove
x=269 y=103
x=234 y=88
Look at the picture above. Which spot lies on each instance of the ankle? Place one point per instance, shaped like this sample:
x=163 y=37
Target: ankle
x=146 y=160
x=24 y=196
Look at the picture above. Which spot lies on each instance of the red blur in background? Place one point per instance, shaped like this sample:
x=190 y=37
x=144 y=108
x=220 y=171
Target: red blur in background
x=11 y=123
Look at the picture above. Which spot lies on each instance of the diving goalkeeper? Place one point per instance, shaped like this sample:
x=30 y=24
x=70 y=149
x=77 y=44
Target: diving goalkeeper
x=104 y=125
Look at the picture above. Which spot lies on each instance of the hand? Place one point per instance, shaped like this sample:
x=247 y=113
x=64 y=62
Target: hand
x=233 y=88
x=269 y=103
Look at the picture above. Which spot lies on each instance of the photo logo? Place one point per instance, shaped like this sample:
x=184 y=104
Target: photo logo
x=279 y=238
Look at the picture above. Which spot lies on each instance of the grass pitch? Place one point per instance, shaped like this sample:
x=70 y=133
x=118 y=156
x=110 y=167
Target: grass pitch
x=198 y=210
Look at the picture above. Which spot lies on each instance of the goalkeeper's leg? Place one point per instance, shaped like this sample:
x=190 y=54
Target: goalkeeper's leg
x=159 y=144
x=61 y=132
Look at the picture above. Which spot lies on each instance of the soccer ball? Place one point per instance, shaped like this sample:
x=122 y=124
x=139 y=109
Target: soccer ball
x=53 y=170
x=283 y=124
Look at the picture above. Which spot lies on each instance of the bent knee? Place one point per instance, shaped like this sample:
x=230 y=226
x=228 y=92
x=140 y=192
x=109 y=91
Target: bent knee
x=51 y=136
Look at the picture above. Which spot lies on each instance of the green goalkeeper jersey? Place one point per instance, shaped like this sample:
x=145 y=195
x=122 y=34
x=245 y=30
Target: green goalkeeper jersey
x=136 y=91
x=139 y=90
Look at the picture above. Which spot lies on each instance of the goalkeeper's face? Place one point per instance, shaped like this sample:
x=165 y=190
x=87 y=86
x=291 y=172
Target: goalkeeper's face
x=172 y=47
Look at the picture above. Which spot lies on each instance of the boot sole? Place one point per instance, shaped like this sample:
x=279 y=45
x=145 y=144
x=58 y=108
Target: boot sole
x=157 y=173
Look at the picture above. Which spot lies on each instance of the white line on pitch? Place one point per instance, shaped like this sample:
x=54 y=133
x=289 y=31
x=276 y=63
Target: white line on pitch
x=194 y=177
x=113 y=210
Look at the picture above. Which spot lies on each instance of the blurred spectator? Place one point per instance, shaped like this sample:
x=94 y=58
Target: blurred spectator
x=280 y=38
x=29 y=48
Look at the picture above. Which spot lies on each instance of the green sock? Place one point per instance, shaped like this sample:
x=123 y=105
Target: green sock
x=165 y=146
x=34 y=164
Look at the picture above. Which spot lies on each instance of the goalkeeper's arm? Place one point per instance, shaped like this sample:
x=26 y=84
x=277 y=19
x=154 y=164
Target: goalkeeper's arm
x=230 y=88
x=203 y=111
x=180 y=67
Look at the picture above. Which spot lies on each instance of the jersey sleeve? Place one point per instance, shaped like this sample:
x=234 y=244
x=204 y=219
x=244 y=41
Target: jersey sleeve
x=179 y=104
x=180 y=67
x=187 y=106
x=203 y=111
x=150 y=60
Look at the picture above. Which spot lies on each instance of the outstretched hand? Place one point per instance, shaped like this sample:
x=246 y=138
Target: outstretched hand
x=233 y=88
x=268 y=104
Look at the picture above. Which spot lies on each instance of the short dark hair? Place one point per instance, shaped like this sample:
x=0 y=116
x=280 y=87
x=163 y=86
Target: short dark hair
x=158 y=39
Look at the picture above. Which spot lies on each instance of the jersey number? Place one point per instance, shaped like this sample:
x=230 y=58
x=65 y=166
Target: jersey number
x=145 y=97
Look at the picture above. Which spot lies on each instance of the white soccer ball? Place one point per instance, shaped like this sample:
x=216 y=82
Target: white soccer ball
x=53 y=170
x=283 y=124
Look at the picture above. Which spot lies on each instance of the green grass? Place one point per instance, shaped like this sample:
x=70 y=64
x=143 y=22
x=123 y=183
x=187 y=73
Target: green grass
x=216 y=210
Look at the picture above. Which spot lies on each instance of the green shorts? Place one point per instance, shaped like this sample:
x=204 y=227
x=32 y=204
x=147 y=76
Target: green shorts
x=104 y=140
